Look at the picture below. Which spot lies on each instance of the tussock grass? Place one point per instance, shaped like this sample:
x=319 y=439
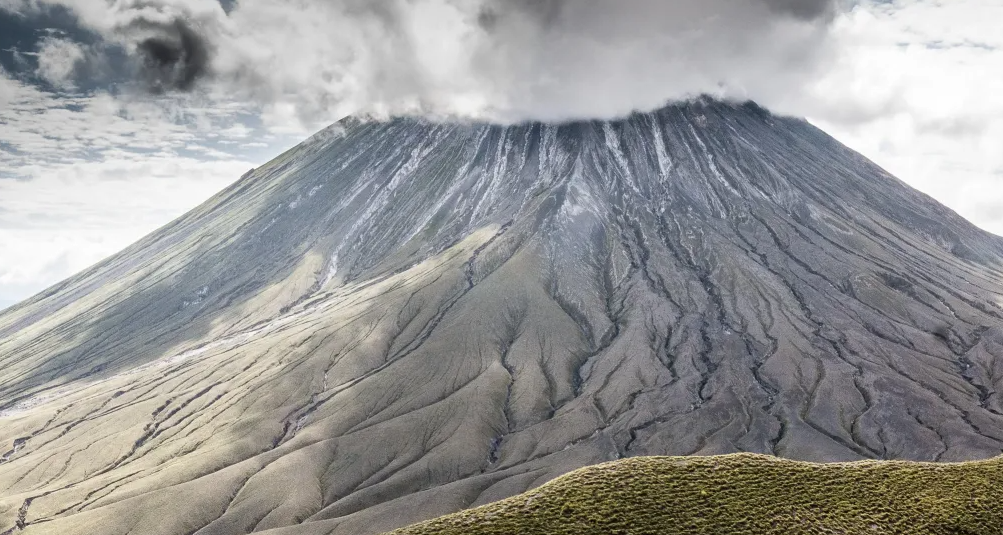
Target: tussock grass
x=746 y=494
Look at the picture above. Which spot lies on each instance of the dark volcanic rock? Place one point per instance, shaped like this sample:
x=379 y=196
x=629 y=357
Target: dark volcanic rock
x=399 y=320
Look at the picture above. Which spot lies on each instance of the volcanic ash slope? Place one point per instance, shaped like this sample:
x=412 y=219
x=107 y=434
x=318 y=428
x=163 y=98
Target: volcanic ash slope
x=395 y=321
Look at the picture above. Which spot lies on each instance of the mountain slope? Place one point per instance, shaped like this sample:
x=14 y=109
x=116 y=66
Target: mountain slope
x=395 y=321
x=746 y=494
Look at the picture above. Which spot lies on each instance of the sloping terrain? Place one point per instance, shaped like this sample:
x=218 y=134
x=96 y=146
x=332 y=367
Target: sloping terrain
x=746 y=494
x=395 y=321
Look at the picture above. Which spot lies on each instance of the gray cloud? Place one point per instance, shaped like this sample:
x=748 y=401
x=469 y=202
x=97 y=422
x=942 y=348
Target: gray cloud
x=506 y=60
x=174 y=56
x=804 y=9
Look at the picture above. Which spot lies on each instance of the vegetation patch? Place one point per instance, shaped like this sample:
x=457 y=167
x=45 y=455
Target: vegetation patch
x=747 y=494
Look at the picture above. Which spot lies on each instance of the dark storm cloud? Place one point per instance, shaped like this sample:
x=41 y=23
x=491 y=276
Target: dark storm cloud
x=174 y=56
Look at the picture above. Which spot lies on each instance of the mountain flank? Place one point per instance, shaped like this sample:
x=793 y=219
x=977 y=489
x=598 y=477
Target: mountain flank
x=399 y=320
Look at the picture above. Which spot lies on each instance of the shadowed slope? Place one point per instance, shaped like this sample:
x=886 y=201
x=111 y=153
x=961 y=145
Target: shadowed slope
x=746 y=495
x=395 y=321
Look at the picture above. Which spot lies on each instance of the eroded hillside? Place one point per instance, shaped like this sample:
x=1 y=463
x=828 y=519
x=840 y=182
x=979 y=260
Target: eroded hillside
x=396 y=321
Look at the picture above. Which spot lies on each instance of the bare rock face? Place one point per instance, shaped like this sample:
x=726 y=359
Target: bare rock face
x=399 y=320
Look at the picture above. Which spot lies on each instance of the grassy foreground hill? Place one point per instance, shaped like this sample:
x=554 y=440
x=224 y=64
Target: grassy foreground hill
x=746 y=494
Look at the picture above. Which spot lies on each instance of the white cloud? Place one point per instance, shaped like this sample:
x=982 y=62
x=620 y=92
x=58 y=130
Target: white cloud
x=57 y=60
x=515 y=59
x=918 y=89
x=58 y=224
x=88 y=175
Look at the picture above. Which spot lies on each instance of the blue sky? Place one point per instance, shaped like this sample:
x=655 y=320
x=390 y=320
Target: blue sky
x=91 y=159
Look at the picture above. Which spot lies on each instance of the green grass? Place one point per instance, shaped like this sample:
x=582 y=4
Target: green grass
x=747 y=494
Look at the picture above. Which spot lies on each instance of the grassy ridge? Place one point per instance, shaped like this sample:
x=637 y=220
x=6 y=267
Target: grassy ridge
x=746 y=494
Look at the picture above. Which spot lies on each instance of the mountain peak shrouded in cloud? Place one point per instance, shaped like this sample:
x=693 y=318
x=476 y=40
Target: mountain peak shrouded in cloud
x=913 y=84
x=505 y=60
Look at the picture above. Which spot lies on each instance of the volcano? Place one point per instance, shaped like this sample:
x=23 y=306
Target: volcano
x=398 y=320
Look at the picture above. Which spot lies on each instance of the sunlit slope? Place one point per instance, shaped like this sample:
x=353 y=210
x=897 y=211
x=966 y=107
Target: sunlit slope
x=400 y=320
x=746 y=495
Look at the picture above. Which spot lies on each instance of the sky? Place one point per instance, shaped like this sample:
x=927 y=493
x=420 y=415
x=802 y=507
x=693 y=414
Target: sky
x=117 y=116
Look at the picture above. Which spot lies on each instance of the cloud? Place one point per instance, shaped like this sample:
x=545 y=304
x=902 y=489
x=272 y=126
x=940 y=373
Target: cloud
x=506 y=60
x=160 y=44
x=84 y=175
x=915 y=85
x=58 y=60
x=67 y=217
x=511 y=60
x=174 y=56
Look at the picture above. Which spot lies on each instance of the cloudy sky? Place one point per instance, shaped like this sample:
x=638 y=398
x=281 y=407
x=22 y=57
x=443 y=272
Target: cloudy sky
x=118 y=115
